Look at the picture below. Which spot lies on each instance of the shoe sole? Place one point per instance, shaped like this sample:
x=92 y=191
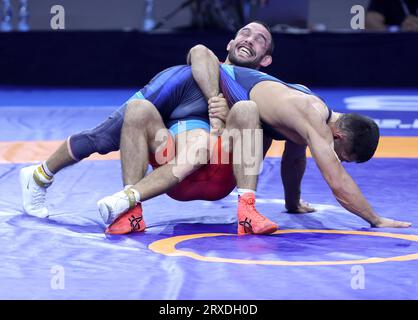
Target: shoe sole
x=268 y=230
x=104 y=212
x=23 y=182
x=107 y=231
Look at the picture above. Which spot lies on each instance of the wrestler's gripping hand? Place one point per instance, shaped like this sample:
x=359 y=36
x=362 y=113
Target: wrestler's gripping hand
x=218 y=112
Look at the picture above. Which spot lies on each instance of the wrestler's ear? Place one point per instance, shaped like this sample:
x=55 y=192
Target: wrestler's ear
x=266 y=61
x=338 y=134
x=228 y=47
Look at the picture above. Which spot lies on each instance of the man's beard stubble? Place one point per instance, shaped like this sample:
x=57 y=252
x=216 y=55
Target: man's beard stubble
x=254 y=64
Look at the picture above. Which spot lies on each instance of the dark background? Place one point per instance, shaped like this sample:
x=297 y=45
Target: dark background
x=103 y=45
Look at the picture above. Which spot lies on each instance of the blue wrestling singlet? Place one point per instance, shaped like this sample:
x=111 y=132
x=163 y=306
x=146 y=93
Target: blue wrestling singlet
x=175 y=95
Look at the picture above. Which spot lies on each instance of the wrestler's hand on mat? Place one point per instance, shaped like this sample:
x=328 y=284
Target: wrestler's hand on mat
x=389 y=223
x=303 y=207
x=218 y=111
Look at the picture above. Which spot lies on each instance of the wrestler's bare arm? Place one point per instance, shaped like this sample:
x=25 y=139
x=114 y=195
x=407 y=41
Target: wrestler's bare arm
x=205 y=70
x=292 y=169
x=342 y=185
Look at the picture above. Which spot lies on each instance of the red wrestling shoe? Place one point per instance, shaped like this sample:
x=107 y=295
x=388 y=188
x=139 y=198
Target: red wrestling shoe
x=250 y=221
x=131 y=221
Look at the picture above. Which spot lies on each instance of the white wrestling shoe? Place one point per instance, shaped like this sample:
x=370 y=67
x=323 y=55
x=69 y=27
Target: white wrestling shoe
x=113 y=206
x=34 y=200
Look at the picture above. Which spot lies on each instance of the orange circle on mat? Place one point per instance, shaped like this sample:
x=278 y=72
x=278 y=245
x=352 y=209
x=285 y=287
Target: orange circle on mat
x=167 y=247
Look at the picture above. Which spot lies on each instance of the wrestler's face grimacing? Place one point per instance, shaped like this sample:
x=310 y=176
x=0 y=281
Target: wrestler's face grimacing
x=250 y=48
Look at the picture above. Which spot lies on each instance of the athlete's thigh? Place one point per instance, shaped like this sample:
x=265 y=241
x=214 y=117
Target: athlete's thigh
x=148 y=118
x=192 y=147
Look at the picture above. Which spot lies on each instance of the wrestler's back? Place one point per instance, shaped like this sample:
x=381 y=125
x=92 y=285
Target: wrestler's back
x=288 y=110
x=176 y=96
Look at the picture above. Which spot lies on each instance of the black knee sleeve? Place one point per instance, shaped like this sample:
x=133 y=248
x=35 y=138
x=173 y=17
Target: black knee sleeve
x=102 y=139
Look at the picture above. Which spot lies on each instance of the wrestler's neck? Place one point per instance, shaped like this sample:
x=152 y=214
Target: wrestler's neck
x=230 y=63
x=334 y=118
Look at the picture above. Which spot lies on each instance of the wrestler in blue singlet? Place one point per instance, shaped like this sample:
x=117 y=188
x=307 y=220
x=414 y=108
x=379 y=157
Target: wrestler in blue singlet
x=175 y=95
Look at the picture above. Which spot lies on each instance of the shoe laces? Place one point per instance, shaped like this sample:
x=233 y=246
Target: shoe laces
x=38 y=196
x=250 y=206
